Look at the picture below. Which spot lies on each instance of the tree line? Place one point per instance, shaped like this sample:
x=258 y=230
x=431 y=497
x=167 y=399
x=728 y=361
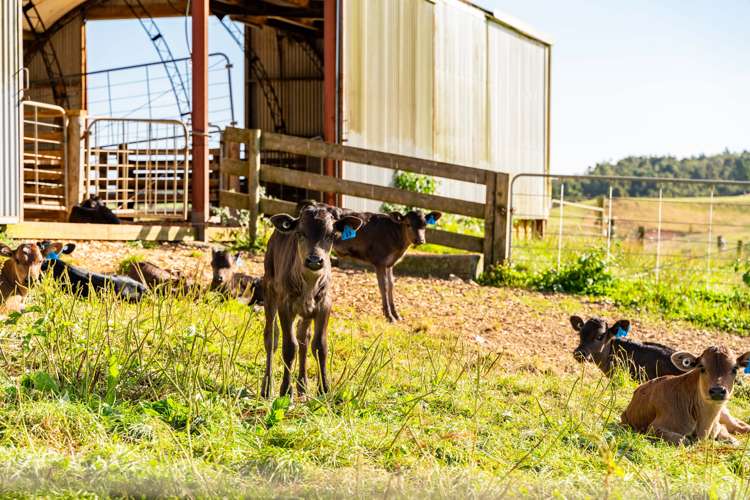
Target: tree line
x=724 y=166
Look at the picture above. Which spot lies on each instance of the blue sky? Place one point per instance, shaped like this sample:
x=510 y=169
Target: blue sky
x=629 y=78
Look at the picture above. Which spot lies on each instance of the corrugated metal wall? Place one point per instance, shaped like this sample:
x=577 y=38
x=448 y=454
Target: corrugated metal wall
x=68 y=44
x=10 y=107
x=388 y=66
x=297 y=80
x=517 y=108
x=442 y=81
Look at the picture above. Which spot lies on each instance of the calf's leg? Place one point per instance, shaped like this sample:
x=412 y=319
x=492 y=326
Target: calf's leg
x=733 y=425
x=270 y=340
x=383 y=285
x=662 y=429
x=288 y=349
x=390 y=281
x=320 y=347
x=303 y=339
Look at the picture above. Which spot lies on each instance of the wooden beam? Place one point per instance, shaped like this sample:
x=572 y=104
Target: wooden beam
x=320 y=149
x=323 y=183
x=264 y=9
x=455 y=240
x=118 y=9
x=107 y=232
x=233 y=166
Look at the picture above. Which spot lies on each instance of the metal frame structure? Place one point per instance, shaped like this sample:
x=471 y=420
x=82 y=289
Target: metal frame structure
x=155 y=183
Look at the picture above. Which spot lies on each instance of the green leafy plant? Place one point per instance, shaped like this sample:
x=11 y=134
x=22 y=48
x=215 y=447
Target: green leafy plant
x=415 y=183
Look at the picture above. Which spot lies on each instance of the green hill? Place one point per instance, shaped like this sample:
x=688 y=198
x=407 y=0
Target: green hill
x=725 y=166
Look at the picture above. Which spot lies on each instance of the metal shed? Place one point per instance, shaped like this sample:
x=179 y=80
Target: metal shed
x=10 y=111
x=449 y=81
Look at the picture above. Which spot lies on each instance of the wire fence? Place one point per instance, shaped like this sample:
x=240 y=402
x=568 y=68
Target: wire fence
x=676 y=230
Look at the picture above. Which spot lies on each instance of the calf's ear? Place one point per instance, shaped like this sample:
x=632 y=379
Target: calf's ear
x=576 y=322
x=684 y=361
x=433 y=217
x=348 y=220
x=284 y=223
x=55 y=247
x=68 y=248
x=397 y=217
x=620 y=329
x=5 y=250
x=744 y=361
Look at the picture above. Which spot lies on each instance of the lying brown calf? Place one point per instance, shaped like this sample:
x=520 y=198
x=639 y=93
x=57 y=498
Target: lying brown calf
x=20 y=271
x=381 y=242
x=679 y=408
x=227 y=278
x=153 y=276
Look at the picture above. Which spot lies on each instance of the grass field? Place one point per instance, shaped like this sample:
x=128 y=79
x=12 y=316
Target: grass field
x=475 y=395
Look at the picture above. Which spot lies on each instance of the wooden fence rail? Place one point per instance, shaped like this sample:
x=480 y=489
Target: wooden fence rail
x=494 y=211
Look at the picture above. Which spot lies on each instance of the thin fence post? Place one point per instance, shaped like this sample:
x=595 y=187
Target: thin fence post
x=253 y=180
x=560 y=229
x=489 y=220
x=710 y=236
x=503 y=217
x=658 y=238
x=609 y=224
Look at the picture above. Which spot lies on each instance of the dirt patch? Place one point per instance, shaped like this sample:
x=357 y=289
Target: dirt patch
x=530 y=328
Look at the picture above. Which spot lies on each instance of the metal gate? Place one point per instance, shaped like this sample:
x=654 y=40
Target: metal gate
x=45 y=172
x=138 y=167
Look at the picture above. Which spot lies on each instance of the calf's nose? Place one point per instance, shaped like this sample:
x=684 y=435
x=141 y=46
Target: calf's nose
x=314 y=262
x=580 y=355
x=718 y=393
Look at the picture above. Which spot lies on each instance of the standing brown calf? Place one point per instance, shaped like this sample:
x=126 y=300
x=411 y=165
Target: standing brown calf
x=382 y=242
x=297 y=283
x=20 y=271
x=678 y=408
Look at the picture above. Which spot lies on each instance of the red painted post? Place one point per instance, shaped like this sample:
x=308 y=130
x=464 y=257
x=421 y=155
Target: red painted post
x=329 y=87
x=199 y=178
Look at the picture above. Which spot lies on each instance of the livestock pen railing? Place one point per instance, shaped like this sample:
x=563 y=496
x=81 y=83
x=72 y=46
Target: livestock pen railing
x=494 y=212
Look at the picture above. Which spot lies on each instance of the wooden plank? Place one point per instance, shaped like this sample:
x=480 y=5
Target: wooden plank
x=240 y=201
x=269 y=206
x=455 y=240
x=320 y=149
x=104 y=232
x=231 y=166
x=317 y=182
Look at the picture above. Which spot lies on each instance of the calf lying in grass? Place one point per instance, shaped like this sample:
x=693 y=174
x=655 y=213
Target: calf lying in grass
x=20 y=271
x=92 y=211
x=681 y=408
x=153 y=276
x=606 y=347
x=381 y=242
x=80 y=281
x=227 y=279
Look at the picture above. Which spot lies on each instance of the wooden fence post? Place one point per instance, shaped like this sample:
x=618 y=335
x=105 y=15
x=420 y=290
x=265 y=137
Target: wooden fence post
x=489 y=220
x=74 y=188
x=253 y=179
x=503 y=219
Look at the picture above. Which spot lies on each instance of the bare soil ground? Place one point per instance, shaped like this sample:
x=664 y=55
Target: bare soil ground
x=530 y=329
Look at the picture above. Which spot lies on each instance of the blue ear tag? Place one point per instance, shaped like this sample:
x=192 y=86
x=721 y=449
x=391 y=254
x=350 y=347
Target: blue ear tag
x=348 y=233
x=622 y=333
x=747 y=369
x=431 y=220
x=52 y=256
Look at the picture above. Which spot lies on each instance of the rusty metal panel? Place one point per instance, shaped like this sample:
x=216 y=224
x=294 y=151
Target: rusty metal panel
x=517 y=108
x=10 y=111
x=68 y=44
x=388 y=79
